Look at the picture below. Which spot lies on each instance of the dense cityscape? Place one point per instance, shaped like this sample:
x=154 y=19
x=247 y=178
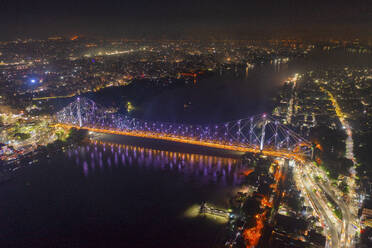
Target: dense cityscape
x=186 y=142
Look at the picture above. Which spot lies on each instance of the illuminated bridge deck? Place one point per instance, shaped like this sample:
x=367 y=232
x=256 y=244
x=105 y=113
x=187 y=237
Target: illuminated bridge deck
x=186 y=140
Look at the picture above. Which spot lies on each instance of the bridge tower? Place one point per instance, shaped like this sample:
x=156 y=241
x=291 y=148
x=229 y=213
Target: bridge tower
x=276 y=135
x=263 y=133
x=251 y=131
x=79 y=112
x=239 y=130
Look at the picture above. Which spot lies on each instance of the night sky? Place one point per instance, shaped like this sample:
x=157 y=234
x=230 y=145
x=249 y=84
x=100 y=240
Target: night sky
x=235 y=19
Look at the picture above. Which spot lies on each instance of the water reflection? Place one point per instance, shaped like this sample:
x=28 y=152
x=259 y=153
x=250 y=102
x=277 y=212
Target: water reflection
x=99 y=157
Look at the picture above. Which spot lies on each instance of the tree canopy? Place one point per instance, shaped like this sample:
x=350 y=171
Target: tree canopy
x=330 y=150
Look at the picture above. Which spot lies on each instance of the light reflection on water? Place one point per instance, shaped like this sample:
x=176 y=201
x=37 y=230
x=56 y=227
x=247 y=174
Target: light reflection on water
x=99 y=157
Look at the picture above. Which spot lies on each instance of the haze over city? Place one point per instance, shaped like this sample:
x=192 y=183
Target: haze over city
x=188 y=19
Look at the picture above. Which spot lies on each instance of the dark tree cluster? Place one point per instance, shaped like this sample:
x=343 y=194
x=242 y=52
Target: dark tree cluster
x=76 y=136
x=330 y=150
x=362 y=152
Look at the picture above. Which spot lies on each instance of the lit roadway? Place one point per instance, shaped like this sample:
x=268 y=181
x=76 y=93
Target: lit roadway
x=340 y=232
x=349 y=218
x=345 y=238
x=347 y=230
x=320 y=206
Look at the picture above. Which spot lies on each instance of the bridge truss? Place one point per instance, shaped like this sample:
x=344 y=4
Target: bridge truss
x=260 y=132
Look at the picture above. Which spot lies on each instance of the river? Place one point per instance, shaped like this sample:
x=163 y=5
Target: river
x=230 y=93
x=139 y=194
x=113 y=195
x=122 y=195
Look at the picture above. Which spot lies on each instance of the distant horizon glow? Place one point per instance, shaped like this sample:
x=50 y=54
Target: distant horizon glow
x=241 y=19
